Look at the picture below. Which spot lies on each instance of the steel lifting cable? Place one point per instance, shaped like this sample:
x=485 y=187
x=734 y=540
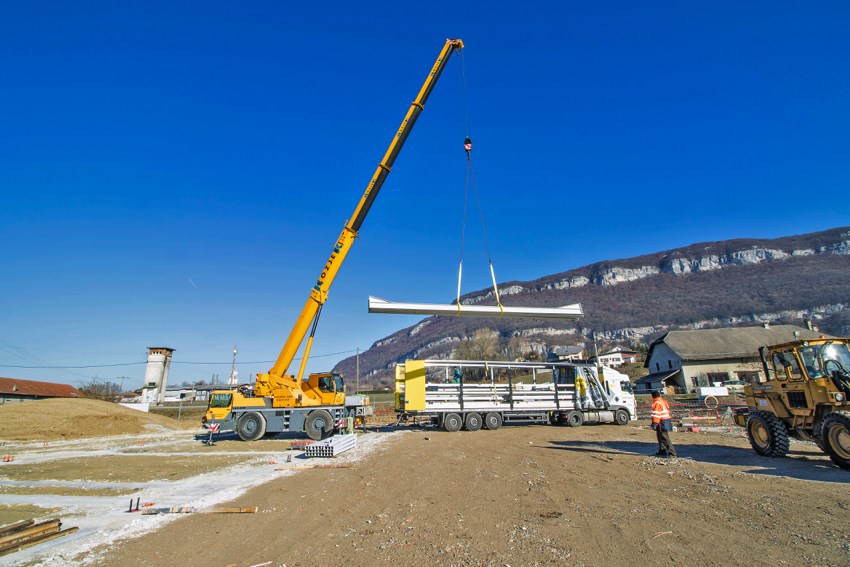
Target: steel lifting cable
x=470 y=174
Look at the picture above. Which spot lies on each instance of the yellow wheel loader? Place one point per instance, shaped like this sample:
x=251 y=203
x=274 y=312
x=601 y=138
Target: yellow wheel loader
x=804 y=395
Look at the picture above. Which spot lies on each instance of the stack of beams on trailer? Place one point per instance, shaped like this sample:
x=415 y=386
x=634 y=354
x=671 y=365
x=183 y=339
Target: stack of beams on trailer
x=332 y=446
x=493 y=396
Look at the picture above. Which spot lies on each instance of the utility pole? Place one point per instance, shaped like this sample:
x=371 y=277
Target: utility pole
x=358 y=370
x=233 y=368
x=122 y=386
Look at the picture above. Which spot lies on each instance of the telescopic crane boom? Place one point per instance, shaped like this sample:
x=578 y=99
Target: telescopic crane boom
x=285 y=388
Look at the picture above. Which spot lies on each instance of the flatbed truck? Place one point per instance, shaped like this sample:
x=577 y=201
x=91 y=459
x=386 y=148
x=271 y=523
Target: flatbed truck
x=439 y=392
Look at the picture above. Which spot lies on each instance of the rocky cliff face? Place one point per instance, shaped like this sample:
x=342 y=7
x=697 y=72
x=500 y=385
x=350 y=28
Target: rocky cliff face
x=735 y=282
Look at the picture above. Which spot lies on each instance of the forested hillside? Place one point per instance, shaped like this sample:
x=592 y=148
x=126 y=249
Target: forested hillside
x=635 y=300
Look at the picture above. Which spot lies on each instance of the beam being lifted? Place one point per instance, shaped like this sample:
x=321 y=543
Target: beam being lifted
x=566 y=312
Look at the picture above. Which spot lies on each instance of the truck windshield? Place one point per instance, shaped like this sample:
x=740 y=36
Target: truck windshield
x=340 y=387
x=626 y=387
x=221 y=400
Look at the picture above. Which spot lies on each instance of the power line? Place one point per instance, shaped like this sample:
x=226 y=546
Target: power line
x=9 y=348
x=172 y=362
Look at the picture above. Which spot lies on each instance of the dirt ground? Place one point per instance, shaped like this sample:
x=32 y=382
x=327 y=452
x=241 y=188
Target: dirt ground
x=528 y=495
x=61 y=419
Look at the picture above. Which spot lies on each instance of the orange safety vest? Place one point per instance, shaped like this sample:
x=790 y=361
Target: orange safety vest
x=660 y=410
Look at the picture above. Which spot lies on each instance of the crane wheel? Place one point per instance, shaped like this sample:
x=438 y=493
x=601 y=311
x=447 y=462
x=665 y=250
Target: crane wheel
x=318 y=425
x=767 y=434
x=575 y=419
x=835 y=433
x=251 y=426
x=452 y=422
x=492 y=421
x=621 y=417
x=473 y=421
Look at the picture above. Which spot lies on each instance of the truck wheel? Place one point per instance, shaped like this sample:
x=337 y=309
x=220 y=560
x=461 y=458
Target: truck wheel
x=621 y=417
x=251 y=426
x=493 y=421
x=452 y=422
x=575 y=419
x=767 y=434
x=836 y=438
x=473 y=421
x=318 y=425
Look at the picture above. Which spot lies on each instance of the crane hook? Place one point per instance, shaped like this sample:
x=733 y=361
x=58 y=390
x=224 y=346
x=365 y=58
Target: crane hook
x=467 y=145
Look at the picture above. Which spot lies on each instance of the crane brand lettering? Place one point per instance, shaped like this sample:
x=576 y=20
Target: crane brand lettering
x=336 y=250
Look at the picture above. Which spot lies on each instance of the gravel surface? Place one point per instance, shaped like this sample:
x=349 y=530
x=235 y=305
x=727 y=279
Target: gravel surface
x=533 y=495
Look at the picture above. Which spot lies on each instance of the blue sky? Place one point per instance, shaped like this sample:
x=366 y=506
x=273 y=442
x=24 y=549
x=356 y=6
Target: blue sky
x=175 y=174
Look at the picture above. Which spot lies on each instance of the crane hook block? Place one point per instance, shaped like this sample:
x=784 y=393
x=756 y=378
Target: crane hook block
x=467 y=144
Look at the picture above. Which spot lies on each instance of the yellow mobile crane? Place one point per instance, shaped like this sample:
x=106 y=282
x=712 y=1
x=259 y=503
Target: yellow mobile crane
x=282 y=402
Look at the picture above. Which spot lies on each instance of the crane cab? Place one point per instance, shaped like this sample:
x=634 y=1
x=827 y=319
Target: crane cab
x=327 y=388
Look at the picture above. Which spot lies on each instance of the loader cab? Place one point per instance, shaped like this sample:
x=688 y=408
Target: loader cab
x=807 y=360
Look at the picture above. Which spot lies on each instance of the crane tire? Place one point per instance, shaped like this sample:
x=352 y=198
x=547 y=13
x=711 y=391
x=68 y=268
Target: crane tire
x=621 y=417
x=318 y=425
x=835 y=433
x=452 y=422
x=768 y=436
x=492 y=421
x=251 y=426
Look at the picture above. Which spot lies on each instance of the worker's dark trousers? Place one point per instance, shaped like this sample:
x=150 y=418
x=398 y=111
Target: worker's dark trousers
x=664 y=443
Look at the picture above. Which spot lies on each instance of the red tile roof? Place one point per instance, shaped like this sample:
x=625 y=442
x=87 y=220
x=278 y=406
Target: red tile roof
x=41 y=389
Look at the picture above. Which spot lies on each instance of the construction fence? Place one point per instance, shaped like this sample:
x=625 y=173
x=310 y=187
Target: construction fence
x=712 y=411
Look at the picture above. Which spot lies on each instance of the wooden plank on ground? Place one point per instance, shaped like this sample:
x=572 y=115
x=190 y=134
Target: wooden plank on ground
x=32 y=530
x=15 y=527
x=42 y=539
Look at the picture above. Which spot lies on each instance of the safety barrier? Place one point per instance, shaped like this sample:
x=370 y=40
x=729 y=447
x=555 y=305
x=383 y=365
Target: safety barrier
x=681 y=409
x=709 y=417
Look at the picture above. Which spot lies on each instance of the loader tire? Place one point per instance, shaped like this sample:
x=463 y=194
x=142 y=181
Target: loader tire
x=492 y=421
x=767 y=434
x=473 y=421
x=836 y=438
x=452 y=422
x=575 y=419
x=251 y=426
x=622 y=417
x=318 y=425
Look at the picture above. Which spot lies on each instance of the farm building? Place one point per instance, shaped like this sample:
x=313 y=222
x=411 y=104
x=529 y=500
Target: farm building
x=16 y=390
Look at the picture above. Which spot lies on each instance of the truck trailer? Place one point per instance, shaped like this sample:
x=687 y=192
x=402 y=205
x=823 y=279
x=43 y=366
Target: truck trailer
x=455 y=394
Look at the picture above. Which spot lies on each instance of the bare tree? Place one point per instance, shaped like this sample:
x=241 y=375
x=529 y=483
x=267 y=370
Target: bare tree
x=99 y=389
x=484 y=345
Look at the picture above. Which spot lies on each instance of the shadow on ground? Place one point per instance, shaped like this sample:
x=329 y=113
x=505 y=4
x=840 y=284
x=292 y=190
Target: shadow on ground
x=800 y=464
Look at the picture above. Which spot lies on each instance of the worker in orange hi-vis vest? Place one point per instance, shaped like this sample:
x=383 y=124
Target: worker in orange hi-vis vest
x=662 y=423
